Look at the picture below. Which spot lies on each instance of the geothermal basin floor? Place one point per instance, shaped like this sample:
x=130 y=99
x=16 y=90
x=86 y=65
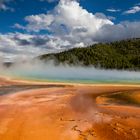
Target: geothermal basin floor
x=69 y=112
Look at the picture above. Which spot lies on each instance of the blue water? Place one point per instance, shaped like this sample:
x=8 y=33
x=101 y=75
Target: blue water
x=75 y=75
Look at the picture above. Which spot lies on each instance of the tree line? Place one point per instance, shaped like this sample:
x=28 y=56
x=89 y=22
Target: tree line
x=123 y=54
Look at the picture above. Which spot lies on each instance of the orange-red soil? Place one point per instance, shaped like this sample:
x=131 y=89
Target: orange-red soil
x=67 y=113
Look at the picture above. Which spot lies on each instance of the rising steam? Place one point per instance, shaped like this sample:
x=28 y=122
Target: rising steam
x=48 y=71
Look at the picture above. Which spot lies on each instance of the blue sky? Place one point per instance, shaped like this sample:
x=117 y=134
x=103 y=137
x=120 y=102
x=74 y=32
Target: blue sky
x=34 y=27
x=101 y=6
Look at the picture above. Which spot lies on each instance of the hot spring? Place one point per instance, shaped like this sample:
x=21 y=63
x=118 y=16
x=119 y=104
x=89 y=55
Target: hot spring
x=64 y=73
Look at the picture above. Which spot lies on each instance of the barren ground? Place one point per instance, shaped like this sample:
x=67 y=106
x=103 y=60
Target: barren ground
x=68 y=112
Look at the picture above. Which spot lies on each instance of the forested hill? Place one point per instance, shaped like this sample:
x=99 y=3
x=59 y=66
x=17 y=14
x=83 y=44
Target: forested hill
x=117 y=55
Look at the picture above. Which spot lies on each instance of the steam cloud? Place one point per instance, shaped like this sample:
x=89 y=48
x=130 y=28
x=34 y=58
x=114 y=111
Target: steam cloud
x=48 y=71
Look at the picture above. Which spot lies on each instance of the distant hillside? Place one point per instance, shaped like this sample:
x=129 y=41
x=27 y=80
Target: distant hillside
x=117 y=55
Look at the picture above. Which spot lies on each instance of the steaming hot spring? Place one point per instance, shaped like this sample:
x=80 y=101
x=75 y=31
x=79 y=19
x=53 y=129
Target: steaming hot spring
x=39 y=102
x=40 y=71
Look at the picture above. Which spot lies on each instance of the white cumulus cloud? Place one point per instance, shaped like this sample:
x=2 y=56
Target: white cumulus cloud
x=68 y=21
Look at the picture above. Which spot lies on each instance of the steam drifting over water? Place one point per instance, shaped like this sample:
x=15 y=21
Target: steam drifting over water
x=49 y=72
